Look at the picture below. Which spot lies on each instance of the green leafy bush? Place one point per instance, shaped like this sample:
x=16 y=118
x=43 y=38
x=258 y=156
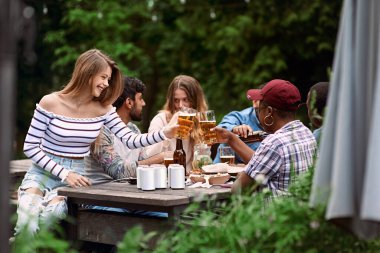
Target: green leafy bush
x=45 y=240
x=251 y=224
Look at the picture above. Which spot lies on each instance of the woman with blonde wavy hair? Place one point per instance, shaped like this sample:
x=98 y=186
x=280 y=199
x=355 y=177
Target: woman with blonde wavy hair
x=183 y=91
x=64 y=125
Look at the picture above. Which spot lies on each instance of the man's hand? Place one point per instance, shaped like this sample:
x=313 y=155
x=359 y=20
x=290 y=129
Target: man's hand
x=242 y=130
x=223 y=135
x=75 y=180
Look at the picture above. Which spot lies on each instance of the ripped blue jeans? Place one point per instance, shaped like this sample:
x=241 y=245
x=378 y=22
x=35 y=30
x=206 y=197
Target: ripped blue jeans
x=33 y=209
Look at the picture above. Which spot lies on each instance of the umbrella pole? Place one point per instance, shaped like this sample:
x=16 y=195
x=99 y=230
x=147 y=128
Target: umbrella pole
x=8 y=15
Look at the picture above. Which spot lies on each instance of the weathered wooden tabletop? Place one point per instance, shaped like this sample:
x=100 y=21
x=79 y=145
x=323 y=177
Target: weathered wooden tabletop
x=108 y=227
x=125 y=193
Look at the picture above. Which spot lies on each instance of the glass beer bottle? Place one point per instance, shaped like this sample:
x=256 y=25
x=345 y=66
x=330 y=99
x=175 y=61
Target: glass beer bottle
x=179 y=155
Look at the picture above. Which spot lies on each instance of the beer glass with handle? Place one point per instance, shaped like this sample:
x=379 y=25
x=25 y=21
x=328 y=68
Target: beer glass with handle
x=207 y=121
x=186 y=118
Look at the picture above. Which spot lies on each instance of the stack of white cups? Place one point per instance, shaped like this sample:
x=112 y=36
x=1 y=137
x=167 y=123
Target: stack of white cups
x=138 y=174
x=147 y=182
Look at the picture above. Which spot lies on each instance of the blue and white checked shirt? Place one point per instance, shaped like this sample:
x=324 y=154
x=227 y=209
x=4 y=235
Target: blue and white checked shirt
x=292 y=147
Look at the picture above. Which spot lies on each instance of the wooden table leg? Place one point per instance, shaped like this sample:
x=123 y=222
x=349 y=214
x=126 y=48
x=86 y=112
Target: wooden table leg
x=72 y=226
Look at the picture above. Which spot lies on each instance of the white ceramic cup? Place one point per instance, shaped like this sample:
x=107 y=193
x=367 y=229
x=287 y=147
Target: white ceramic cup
x=160 y=176
x=169 y=172
x=147 y=182
x=177 y=178
x=138 y=174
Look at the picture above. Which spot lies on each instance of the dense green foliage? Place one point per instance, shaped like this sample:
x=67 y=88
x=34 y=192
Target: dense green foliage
x=228 y=45
x=250 y=224
x=44 y=241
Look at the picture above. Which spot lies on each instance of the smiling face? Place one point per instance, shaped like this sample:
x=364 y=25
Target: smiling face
x=101 y=81
x=181 y=99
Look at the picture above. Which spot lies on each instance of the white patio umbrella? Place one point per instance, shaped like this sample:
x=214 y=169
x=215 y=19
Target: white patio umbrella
x=347 y=175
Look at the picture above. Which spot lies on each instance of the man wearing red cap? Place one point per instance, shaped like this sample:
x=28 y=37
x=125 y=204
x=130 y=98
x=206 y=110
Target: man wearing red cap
x=243 y=123
x=288 y=150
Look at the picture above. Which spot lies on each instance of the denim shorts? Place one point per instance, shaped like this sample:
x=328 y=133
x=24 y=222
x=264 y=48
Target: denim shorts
x=37 y=177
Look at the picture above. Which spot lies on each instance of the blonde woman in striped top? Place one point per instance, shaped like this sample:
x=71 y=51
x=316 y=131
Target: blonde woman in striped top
x=63 y=126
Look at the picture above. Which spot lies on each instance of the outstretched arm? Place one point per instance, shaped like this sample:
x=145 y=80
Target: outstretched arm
x=132 y=140
x=225 y=136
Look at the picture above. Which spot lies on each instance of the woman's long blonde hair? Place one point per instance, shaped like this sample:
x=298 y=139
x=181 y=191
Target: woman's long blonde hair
x=194 y=93
x=86 y=67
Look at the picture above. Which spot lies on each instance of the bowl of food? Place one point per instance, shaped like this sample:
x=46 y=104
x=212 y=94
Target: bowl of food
x=195 y=178
x=219 y=179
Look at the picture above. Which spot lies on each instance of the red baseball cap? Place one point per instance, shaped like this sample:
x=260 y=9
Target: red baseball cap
x=280 y=94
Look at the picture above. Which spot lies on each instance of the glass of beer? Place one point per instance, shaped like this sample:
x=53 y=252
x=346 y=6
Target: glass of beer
x=206 y=122
x=168 y=155
x=227 y=155
x=186 y=122
x=168 y=161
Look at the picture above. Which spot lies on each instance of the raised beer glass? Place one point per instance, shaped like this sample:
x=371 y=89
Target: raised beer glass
x=207 y=121
x=186 y=122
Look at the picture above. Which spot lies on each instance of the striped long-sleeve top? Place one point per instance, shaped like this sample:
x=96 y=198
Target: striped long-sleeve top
x=72 y=137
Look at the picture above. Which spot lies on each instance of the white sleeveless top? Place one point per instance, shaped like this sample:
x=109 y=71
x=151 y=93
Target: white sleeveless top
x=72 y=137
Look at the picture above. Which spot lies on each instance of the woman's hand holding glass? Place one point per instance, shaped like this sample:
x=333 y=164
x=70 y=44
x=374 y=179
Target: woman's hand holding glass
x=171 y=128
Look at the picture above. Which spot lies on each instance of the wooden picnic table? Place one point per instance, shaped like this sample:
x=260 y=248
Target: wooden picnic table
x=109 y=227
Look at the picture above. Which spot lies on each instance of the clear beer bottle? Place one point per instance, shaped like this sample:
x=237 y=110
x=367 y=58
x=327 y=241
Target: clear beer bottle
x=179 y=155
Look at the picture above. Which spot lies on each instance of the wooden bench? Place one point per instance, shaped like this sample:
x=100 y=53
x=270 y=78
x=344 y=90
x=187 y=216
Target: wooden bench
x=17 y=171
x=18 y=168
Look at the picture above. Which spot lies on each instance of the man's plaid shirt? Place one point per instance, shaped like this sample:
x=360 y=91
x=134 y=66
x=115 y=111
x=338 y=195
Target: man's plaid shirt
x=291 y=148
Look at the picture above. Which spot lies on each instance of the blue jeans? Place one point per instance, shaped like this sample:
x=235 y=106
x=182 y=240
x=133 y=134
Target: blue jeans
x=32 y=208
x=128 y=211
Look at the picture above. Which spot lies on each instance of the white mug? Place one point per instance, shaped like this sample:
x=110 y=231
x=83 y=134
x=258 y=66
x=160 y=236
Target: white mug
x=160 y=176
x=138 y=174
x=147 y=179
x=177 y=178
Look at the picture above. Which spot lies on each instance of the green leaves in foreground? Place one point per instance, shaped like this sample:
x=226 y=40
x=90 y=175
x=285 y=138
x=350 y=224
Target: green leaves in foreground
x=252 y=224
x=244 y=224
x=46 y=240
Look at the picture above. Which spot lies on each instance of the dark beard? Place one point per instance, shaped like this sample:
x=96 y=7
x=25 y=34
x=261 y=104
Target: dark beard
x=135 y=116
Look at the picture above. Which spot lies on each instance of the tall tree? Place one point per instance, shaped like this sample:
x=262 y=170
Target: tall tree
x=228 y=45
